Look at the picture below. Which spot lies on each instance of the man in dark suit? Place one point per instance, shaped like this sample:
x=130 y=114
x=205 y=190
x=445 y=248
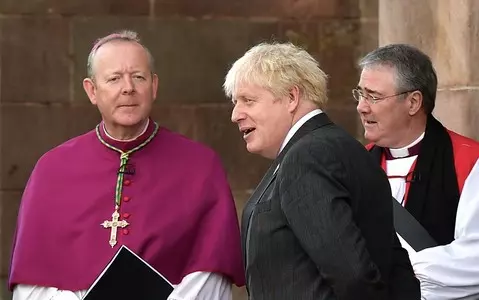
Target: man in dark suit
x=319 y=225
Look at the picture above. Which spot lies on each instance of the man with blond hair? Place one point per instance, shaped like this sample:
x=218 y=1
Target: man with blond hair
x=170 y=195
x=319 y=225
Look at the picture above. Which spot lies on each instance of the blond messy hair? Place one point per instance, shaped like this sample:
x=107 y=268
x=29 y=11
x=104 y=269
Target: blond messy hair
x=279 y=67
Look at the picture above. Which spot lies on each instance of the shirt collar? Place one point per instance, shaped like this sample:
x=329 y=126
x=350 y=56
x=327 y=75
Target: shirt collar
x=298 y=125
x=410 y=150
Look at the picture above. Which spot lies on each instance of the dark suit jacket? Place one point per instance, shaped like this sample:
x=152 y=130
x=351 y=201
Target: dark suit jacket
x=321 y=226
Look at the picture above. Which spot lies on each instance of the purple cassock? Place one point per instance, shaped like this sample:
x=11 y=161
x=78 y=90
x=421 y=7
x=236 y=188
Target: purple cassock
x=175 y=197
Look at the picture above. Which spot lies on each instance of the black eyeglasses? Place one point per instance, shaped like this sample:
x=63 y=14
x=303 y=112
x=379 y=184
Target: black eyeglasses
x=358 y=95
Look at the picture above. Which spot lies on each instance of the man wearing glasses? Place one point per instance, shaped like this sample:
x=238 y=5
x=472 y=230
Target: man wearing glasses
x=433 y=171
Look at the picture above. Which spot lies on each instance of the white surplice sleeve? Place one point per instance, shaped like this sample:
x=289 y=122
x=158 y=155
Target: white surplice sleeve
x=31 y=292
x=194 y=286
x=202 y=286
x=452 y=271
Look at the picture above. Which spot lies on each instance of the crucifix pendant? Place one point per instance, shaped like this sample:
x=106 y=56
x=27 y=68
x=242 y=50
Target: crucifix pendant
x=114 y=224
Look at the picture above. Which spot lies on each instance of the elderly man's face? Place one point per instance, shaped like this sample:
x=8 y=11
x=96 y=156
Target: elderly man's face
x=386 y=120
x=263 y=119
x=124 y=88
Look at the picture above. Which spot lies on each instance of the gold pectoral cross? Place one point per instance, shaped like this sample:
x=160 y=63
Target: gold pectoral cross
x=114 y=224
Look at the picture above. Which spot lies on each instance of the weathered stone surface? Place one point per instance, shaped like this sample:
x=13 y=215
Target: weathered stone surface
x=338 y=41
x=239 y=293
x=368 y=38
x=190 y=60
x=411 y=16
x=335 y=44
x=453 y=42
x=241 y=197
x=75 y=7
x=34 y=59
x=212 y=127
x=9 y=203
x=201 y=9
x=369 y=9
x=41 y=128
x=303 y=9
x=278 y=9
x=290 y=9
x=448 y=34
x=80 y=119
x=472 y=41
x=177 y=118
x=302 y=34
x=5 y=294
x=458 y=110
x=192 y=57
x=347 y=117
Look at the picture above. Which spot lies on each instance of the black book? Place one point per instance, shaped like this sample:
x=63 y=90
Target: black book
x=128 y=277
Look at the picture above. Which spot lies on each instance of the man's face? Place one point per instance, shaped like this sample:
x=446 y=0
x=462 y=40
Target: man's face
x=123 y=87
x=263 y=119
x=385 y=120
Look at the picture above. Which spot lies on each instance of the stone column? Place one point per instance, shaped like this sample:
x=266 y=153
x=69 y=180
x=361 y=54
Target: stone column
x=447 y=30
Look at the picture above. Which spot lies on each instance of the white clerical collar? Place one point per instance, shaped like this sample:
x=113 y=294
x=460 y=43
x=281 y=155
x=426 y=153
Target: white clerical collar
x=129 y=140
x=298 y=125
x=404 y=151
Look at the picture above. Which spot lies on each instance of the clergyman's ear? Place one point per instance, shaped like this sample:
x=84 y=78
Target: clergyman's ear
x=154 y=81
x=90 y=89
x=415 y=102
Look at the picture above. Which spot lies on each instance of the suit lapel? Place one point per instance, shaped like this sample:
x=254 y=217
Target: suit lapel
x=312 y=124
x=256 y=196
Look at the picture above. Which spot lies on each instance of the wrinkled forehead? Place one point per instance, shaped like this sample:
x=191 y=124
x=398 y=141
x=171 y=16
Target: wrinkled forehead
x=249 y=88
x=119 y=53
x=116 y=48
x=378 y=77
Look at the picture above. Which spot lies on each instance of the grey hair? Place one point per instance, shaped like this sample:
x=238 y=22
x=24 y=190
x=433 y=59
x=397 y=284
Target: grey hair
x=278 y=67
x=124 y=35
x=414 y=70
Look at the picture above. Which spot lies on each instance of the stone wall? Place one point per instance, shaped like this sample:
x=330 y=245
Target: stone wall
x=44 y=46
x=448 y=31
